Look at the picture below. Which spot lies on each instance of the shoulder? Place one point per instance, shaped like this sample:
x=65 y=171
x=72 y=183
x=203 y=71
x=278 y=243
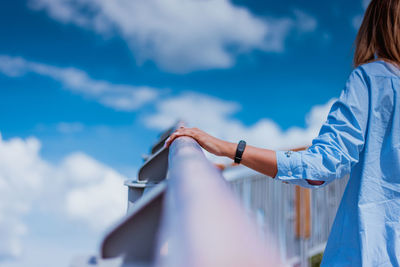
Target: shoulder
x=377 y=69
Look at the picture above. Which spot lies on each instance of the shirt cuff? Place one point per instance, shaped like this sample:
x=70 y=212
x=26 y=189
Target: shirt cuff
x=290 y=167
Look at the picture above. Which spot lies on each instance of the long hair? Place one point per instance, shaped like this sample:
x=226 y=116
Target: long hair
x=379 y=34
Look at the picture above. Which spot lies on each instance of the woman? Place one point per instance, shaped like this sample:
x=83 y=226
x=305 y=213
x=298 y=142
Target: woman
x=361 y=137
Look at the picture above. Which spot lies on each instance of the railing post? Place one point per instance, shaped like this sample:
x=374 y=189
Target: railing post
x=303 y=222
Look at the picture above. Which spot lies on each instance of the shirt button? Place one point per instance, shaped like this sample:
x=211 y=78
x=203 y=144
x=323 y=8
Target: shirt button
x=288 y=153
x=290 y=173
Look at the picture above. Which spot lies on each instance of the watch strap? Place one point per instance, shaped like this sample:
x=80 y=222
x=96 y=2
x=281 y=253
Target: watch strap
x=239 y=151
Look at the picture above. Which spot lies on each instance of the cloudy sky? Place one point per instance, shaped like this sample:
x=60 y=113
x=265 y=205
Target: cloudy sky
x=87 y=85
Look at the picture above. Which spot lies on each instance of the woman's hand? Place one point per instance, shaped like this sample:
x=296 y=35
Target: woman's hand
x=211 y=144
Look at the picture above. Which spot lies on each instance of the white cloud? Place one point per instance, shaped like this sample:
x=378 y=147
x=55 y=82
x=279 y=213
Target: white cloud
x=12 y=67
x=304 y=22
x=120 y=97
x=70 y=127
x=18 y=187
x=78 y=189
x=179 y=35
x=357 y=20
x=97 y=196
x=216 y=117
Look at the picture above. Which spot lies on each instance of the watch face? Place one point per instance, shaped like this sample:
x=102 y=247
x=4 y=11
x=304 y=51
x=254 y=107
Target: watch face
x=242 y=145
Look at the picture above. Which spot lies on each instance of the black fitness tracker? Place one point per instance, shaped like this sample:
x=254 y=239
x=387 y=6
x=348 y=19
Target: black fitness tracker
x=239 y=151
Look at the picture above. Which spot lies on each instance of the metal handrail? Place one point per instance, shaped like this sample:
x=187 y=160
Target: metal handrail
x=203 y=223
x=191 y=219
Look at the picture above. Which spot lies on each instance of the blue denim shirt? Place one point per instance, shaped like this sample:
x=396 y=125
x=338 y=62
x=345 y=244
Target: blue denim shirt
x=361 y=137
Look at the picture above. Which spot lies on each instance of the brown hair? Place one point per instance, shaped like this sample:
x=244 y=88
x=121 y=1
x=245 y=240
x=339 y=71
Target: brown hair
x=379 y=34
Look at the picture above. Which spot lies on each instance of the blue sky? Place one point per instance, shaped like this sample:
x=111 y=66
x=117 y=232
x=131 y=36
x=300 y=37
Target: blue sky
x=92 y=83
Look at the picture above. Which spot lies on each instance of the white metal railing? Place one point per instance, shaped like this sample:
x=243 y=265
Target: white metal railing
x=273 y=202
x=192 y=218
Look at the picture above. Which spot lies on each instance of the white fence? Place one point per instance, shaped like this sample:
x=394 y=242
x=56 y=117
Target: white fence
x=273 y=203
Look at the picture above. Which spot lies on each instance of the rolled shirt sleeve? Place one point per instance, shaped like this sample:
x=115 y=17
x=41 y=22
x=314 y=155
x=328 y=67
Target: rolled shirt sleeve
x=339 y=143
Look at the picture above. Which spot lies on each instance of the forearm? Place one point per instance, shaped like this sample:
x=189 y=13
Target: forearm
x=258 y=159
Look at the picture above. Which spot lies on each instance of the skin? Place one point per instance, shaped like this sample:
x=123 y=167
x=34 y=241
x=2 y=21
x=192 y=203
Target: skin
x=258 y=159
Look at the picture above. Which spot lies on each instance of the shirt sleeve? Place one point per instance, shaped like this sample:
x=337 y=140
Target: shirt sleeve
x=340 y=141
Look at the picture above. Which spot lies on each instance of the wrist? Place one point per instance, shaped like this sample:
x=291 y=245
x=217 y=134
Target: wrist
x=229 y=150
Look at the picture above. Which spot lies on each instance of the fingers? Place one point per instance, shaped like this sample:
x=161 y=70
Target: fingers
x=182 y=131
x=171 y=139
